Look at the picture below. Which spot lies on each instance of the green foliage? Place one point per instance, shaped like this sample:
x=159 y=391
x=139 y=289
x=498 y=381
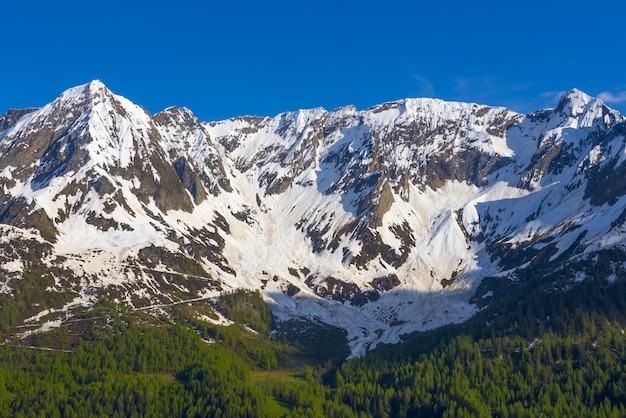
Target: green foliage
x=549 y=347
x=30 y=295
x=317 y=343
x=502 y=376
x=247 y=308
x=123 y=370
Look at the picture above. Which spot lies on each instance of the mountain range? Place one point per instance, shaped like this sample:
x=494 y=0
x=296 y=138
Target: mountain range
x=402 y=217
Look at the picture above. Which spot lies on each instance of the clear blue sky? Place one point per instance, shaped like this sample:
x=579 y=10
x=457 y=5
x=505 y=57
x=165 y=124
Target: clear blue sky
x=230 y=57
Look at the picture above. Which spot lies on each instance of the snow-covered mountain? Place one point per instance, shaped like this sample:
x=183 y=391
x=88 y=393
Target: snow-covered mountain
x=382 y=221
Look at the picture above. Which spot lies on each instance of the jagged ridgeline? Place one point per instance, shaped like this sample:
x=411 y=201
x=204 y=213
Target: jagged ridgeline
x=402 y=217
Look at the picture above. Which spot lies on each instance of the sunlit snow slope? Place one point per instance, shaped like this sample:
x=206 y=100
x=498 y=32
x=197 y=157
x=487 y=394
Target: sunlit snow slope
x=382 y=221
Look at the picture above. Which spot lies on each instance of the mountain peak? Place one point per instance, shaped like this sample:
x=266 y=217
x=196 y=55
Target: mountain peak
x=85 y=89
x=574 y=102
x=178 y=112
x=95 y=85
x=83 y=94
x=96 y=88
x=577 y=95
x=583 y=110
x=384 y=208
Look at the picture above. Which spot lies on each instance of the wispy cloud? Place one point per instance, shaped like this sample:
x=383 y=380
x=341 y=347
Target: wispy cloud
x=548 y=99
x=553 y=95
x=426 y=87
x=490 y=89
x=475 y=88
x=609 y=97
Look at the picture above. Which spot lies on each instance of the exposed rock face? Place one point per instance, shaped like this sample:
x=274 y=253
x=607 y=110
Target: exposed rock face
x=383 y=221
x=197 y=162
x=12 y=116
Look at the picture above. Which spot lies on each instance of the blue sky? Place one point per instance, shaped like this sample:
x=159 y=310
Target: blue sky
x=230 y=58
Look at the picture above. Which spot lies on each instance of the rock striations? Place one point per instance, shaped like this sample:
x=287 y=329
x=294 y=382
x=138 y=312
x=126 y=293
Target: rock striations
x=382 y=221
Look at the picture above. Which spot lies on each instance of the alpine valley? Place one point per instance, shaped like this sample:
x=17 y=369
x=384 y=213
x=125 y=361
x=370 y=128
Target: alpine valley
x=399 y=218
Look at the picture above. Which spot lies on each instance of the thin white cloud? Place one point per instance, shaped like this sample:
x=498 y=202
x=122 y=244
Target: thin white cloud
x=486 y=89
x=474 y=86
x=608 y=97
x=425 y=85
x=553 y=95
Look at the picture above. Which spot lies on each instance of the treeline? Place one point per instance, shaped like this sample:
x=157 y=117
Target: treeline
x=549 y=346
x=125 y=367
x=149 y=371
x=580 y=375
x=130 y=371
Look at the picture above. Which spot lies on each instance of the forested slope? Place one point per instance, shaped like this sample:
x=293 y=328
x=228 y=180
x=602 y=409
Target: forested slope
x=540 y=351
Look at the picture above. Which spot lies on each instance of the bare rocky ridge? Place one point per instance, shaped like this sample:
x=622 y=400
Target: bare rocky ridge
x=382 y=221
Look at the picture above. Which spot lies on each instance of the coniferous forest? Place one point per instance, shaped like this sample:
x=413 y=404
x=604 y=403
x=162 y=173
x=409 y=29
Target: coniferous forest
x=549 y=346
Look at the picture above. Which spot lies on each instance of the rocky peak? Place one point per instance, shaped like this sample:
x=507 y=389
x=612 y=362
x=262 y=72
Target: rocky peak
x=382 y=207
x=573 y=102
x=86 y=134
x=578 y=109
x=81 y=96
x=177 y=116
x=12 y=116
